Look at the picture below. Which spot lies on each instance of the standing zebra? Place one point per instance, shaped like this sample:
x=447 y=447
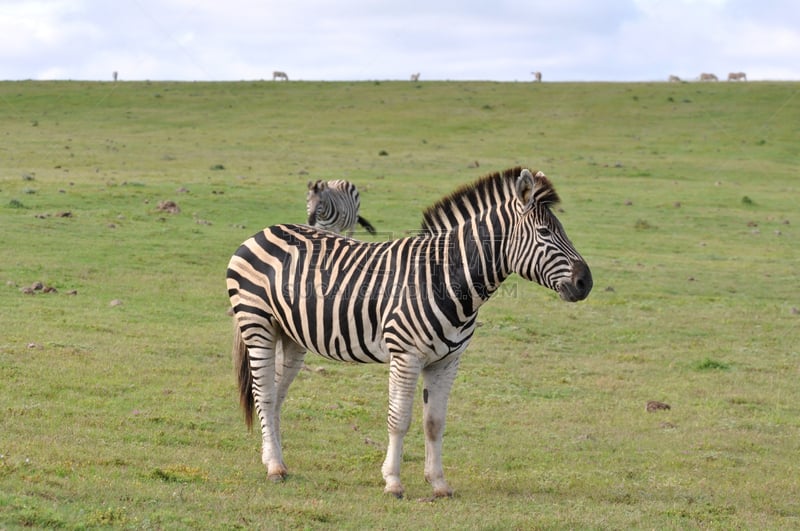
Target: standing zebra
x=412 y=303
x=334 y=206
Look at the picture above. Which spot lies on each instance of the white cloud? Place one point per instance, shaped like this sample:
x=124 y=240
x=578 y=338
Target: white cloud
x=442 y=39
x=29 y=27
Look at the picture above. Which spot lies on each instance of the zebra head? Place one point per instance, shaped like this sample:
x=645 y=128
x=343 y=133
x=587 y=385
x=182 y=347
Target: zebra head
x=540 y=249
x=314 y=200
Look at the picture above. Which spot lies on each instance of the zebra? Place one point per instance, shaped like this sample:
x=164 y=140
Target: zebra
x=410 y=302
x=334 y=206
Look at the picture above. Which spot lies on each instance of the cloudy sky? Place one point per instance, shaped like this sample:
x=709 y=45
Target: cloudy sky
x=503 y=40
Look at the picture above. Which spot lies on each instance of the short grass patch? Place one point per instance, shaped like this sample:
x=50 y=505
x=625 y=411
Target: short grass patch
x=117 y=399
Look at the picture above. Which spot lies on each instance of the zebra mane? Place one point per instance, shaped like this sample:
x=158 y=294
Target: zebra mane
x=472 y=199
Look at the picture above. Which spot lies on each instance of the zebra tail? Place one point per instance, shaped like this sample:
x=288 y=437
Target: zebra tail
x=241 y=364
x=366 y=224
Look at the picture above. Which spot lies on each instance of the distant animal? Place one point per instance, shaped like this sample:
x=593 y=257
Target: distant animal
x=708 y=77
x=415 y=77
x=412 y=303
x=334 y=206
x=537 y=77
x=277 y=74
x=737 y=76
x=674 y=79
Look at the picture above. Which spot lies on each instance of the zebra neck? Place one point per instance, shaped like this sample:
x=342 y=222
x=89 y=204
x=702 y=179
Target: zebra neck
x=481 y=258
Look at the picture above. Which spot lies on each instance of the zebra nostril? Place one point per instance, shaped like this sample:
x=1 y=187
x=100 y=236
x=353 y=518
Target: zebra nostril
x=582 y=279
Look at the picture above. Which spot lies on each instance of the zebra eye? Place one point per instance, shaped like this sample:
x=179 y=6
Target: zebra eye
x=544 y=232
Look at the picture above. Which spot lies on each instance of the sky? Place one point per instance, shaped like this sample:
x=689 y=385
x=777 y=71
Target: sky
x=333 y=40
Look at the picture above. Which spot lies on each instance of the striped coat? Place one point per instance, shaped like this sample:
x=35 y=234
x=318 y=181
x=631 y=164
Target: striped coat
x=412 y=302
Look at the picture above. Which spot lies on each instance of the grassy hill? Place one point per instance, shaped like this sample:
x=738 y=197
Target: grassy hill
x=117 y=398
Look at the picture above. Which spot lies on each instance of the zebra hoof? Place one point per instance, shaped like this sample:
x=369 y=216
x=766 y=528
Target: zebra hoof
x=278 y=477
x=446 y=492
x=395 y=490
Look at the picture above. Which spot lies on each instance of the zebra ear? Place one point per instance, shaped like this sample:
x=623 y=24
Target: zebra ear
x=535 y=189
x=317 y=186
x=525 y=187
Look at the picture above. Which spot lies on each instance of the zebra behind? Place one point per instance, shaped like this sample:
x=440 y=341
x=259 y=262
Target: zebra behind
x=334 y=206
x=411 y=303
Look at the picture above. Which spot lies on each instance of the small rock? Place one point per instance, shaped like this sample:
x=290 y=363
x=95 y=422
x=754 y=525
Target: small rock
x=115 y=302
x=170 y=207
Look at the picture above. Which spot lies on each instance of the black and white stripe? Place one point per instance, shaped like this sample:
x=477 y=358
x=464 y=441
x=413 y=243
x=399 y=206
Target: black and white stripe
x=411 y=302
x=334 y=206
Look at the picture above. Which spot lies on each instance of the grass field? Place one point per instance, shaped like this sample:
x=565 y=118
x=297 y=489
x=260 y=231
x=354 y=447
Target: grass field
x=118 y=405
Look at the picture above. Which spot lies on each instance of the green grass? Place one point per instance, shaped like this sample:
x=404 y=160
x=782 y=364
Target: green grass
x=682 y=198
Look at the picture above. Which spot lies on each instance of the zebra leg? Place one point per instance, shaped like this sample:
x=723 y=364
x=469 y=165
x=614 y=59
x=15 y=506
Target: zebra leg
x=437 y=379
x=262 y=367
x=261 y=350
x=404 y=372
x=287 y=365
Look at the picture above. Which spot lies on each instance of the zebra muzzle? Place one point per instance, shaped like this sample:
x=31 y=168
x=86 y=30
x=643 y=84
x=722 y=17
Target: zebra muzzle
x=579 y=285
